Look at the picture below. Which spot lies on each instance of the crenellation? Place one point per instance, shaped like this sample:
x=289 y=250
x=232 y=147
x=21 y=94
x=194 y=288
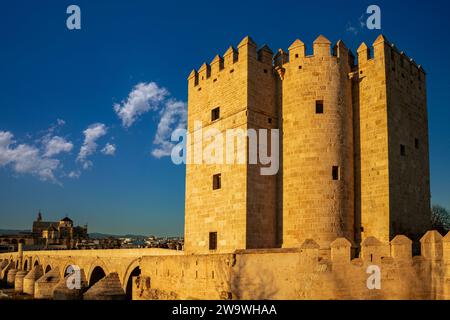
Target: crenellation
x=217 y=64
x=432 y=245
x=401 y=248
x=363 y=52
x=340 y=50
x=373 y=250
x=341 y=251
x=204 y=72
x=446 y=249
x=230 y=56
x=321 y=47
x=247 y=48
x=265 y=55
x=297 y=50
x=193 y=78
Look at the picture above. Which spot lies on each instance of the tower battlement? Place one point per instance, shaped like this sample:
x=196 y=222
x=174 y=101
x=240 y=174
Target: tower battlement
x=322 y=48
x=365 y=54
x=247 y=50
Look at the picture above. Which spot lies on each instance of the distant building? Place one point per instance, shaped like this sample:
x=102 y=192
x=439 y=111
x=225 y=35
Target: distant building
x=48 y=233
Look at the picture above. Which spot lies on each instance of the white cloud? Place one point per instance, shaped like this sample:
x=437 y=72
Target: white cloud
x=56 y=145
x=26 y=159
x=173 y=116
x=143 y=98
x=150 y=96
x=89 y=147
x=350 y=28
x=360 y=25
x=87 y=164
x=109 y=149
x=74 y=174
x=362 y=22
x=53 y=128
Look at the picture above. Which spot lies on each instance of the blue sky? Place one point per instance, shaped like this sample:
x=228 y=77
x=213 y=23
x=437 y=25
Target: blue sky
x=50 y=73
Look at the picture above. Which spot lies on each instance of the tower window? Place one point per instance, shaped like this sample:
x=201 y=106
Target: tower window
x=217 y=183
x=319 y=106
x=296 y=55
x=269 y=120
x=416 y=143
x=215 y=114
x=402 y=150
x=335 y=173
x=213 y=241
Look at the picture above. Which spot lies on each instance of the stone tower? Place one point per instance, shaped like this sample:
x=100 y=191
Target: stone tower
x=391 y=151
x=318 y=171
x=230 y=206
x=353 y=147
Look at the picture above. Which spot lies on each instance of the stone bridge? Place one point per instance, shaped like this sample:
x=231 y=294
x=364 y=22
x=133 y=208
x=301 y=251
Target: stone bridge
x=22 y=267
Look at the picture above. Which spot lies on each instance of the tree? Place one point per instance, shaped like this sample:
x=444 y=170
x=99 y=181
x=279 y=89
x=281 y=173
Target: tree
x=440 y=219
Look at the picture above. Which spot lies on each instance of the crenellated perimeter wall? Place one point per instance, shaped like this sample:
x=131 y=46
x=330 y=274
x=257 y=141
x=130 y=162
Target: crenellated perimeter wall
x=303 y=273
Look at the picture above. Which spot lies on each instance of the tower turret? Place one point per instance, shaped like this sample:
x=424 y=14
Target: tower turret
x=318 y=175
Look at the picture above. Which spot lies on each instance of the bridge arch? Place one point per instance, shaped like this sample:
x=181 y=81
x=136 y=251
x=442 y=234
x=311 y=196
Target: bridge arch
x=25 y=264
x=97 y=274
x=48 y=268
x=133 y=270
x=97 y=271
x=36 y=262
x=64 y=272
